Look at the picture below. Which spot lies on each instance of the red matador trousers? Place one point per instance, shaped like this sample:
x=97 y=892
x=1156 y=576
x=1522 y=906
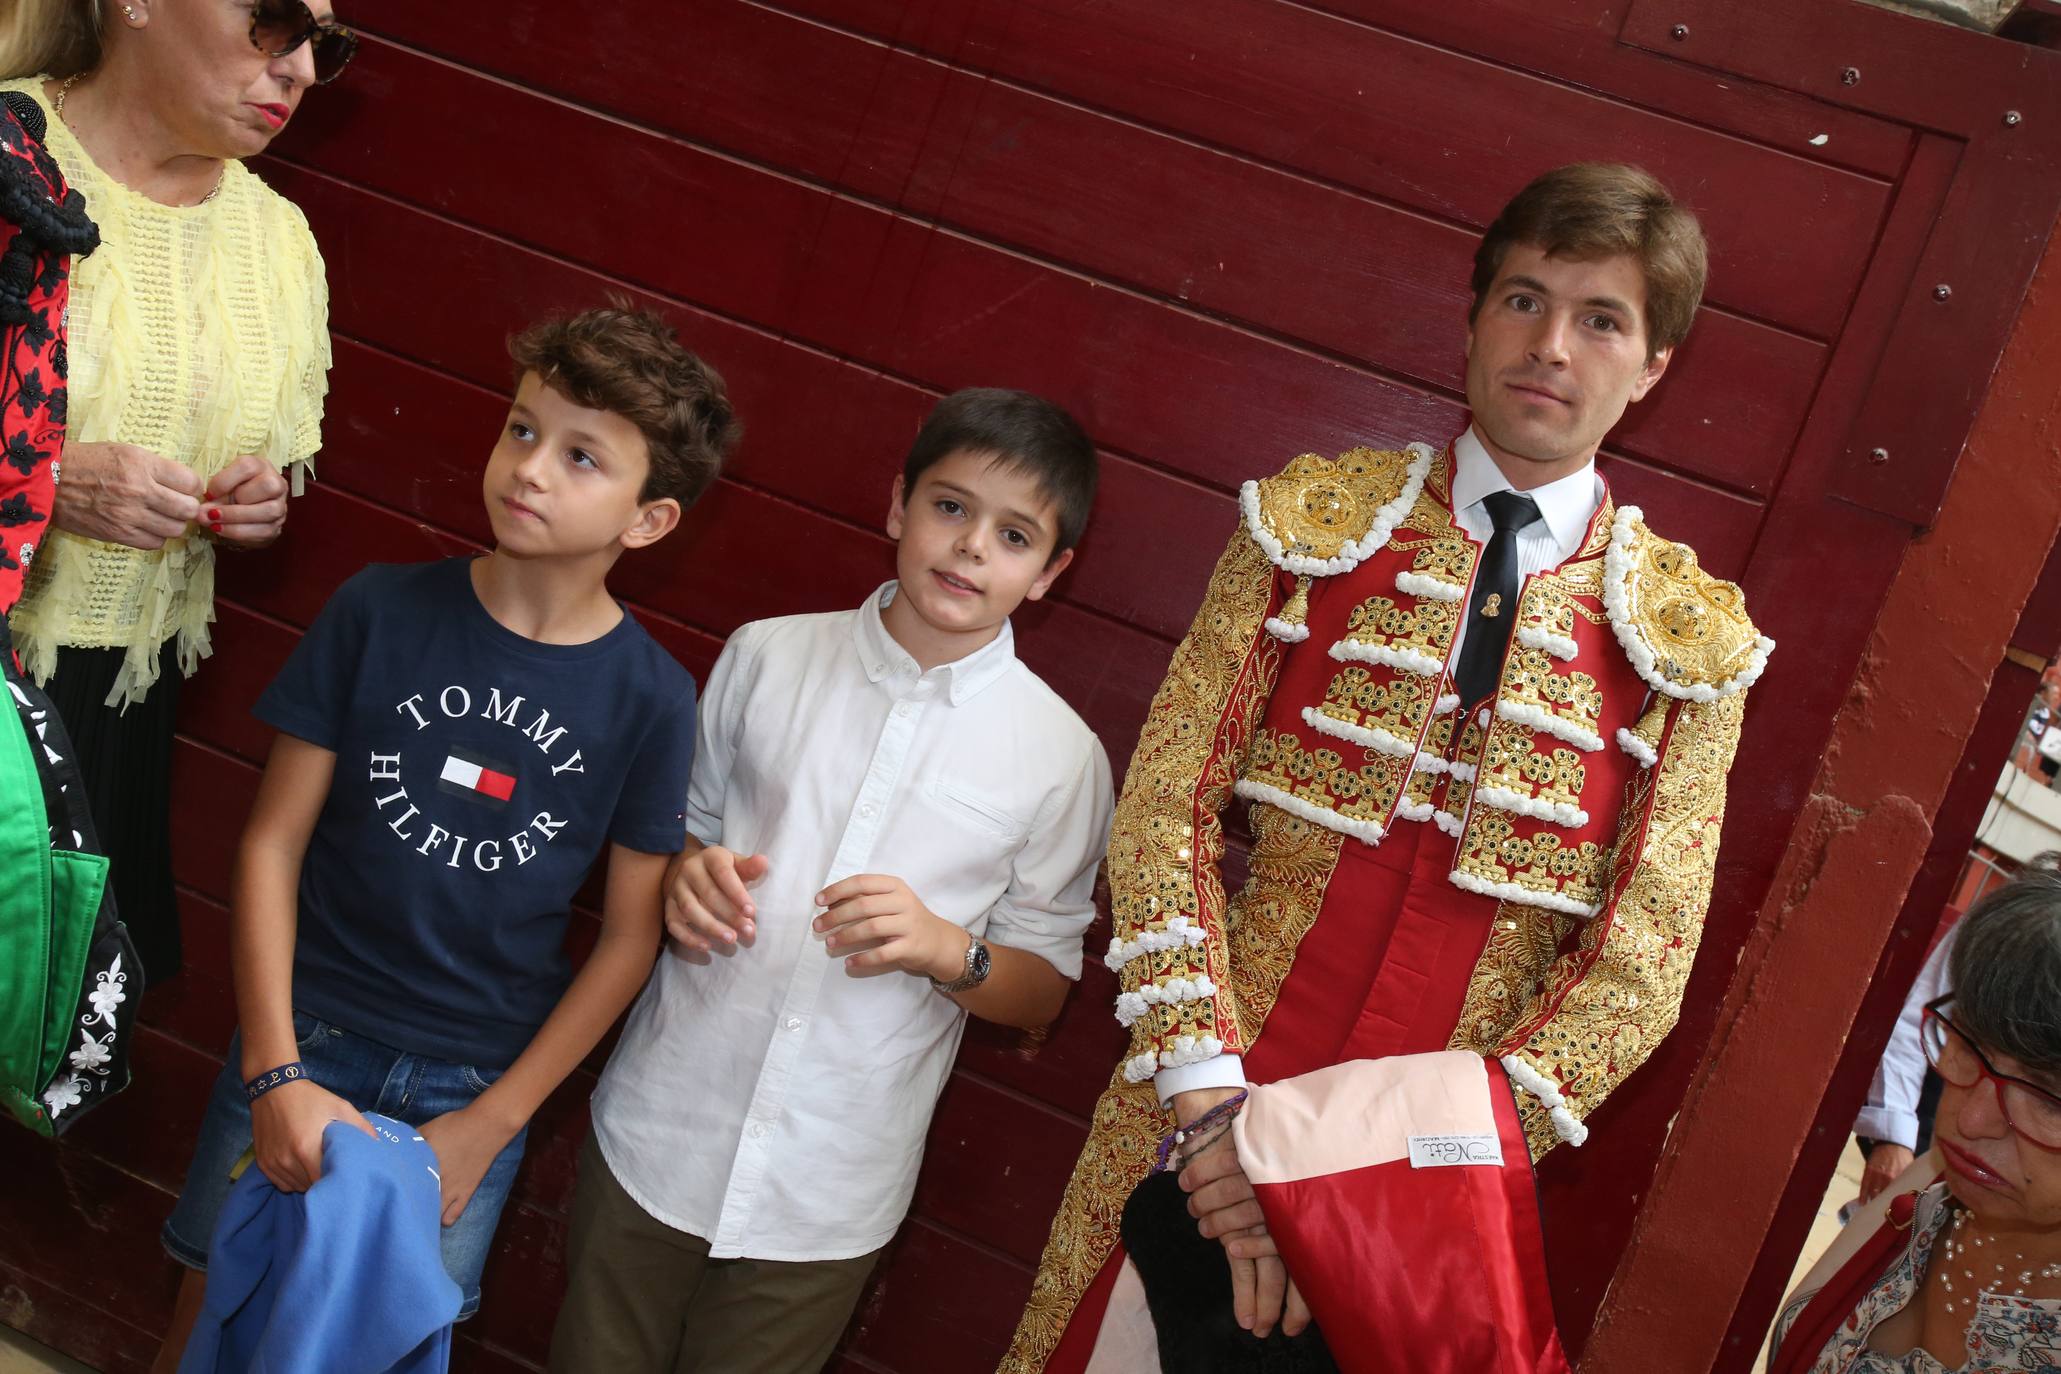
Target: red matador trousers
x=1383 y=970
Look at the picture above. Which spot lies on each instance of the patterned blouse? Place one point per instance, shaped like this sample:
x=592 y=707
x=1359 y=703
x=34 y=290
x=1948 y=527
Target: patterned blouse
x=2007 y=1335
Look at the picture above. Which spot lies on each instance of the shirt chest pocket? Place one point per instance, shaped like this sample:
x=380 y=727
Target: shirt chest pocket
x=975 y=815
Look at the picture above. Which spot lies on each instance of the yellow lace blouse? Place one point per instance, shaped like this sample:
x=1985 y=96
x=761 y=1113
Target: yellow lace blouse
x=197 y=333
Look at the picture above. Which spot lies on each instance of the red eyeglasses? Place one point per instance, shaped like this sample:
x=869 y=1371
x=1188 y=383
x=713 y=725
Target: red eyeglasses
x=2031 y=1110
x=277 y=27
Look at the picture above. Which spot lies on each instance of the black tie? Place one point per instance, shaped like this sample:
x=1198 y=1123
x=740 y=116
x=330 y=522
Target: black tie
x=1493 y=606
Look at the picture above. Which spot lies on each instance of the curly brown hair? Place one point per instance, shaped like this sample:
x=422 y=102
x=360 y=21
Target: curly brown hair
x=1599 y=210
x=629 y=362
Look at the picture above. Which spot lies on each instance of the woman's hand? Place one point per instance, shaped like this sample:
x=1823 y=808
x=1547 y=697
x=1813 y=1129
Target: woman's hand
x=286 y=1132
x=246 y=503
x=122 y=494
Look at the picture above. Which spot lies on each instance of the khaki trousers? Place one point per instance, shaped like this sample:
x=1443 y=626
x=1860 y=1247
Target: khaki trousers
x=644 y=1298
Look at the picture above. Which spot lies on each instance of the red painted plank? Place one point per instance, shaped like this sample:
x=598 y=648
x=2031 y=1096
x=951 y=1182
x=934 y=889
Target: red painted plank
x=415 y=439
x=1258 y=78
x=149 y=1129
x=249 y=650
x=994 y=1166
x=523 y=1283
x=87 y=1229
x=1580 y=43
x=204 y=838
x=950 y=311
x=34 y=1301
x=197 y=1008
x=938 y=1305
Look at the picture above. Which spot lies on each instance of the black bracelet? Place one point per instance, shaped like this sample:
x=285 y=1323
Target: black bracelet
x=272 y=1078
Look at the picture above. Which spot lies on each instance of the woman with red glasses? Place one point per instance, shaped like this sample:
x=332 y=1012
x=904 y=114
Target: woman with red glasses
x=1957 y=1265
x=199 y=358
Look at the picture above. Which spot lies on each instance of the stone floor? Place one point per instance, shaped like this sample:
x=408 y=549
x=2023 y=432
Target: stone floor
x=20 y=1355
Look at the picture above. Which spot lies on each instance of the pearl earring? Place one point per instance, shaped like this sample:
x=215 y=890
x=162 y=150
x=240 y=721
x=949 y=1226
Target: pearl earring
x=129 y=13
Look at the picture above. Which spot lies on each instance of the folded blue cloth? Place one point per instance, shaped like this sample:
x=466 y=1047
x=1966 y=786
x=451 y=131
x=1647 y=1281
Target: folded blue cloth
x=347 y=1276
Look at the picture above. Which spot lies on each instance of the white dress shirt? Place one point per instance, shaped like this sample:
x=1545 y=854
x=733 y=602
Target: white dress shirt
x=1566 y=506
x=1891 y=1112
x=765 y=1099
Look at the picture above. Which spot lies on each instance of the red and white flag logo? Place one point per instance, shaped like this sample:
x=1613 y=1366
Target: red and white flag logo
x=474 y=777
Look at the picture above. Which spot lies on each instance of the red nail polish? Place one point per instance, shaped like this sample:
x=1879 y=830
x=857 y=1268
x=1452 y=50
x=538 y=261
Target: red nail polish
x=215 y=514
x=215 y=525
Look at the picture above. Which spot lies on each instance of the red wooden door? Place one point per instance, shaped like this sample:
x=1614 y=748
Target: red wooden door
x=1223 y=232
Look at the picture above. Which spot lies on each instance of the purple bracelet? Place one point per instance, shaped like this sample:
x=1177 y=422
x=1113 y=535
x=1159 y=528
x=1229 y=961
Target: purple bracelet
x=272 y=1078
x=1222 y=1112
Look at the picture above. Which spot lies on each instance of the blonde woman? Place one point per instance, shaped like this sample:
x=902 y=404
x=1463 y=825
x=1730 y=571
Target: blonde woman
x=199 y=357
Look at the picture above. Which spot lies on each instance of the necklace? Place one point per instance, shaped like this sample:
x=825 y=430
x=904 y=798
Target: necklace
x=57 y=108
x=1964 y=1251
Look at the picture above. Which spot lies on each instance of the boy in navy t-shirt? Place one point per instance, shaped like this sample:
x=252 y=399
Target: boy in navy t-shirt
x=458 y=742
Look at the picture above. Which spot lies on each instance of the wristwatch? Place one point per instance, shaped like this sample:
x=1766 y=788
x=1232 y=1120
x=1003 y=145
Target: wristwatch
x=977 y=964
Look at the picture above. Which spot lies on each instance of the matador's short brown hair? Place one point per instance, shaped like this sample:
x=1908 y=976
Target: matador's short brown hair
x=630 y=363
x=1598 y=210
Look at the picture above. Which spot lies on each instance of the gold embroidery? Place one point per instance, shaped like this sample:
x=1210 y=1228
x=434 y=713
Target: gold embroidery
x=1498 y=847
x=1423 y=783
x=1316 y=506
x=1296 y=610
x=1599 y=532
x=1650 y=725
x=1292 y=860
x=1394 y=704
x=1531 y=765
x=1572 y=698
x=1609 y=1001
x=1473 y=740
x=1167 y=838
x=1443 y=558
x=1425 y=630
x=1694 y=624
x=1521 y=947
x=1362 y=789
x=1122 y=1139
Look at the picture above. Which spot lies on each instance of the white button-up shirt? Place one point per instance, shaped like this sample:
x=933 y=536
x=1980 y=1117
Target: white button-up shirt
x=765 y=1099
x=1566 y=505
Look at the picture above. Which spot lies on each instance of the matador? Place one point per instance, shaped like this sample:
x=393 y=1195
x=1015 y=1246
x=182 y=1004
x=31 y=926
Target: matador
x=1482 y=715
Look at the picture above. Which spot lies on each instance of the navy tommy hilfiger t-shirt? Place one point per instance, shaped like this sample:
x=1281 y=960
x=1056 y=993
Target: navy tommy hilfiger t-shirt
x=478 y=776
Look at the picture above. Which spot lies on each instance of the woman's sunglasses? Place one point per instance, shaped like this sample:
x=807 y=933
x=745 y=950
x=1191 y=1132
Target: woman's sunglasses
x=277 y=27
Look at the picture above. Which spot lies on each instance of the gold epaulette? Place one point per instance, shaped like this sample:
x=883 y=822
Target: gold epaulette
x=1319 y=517
x=1685 y=631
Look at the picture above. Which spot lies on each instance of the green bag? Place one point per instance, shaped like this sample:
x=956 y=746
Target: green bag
x=68 y=993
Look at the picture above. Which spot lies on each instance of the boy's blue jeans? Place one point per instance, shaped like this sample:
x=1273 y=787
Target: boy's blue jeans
x=373 y=1078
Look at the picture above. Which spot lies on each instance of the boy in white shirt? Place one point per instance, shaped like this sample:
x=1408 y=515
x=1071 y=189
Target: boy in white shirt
x=892 y=822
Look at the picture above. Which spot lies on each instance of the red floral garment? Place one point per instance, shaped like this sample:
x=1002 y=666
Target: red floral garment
x=43 y=223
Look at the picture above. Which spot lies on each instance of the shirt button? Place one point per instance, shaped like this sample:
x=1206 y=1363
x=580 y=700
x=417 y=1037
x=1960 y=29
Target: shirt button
x=903 y=709
x=794 y=1023
x=756 y=1130
x=867 y=809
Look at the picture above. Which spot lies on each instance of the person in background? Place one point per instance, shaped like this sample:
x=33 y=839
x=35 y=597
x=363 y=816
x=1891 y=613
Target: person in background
x=1956 y=1264
x=199 y=358
x=1896 y=1124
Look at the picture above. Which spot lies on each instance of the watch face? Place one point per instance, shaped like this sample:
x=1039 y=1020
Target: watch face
x=978 y=965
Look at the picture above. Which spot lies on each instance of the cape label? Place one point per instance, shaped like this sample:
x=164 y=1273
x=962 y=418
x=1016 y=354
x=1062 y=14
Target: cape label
x=1454 y=1151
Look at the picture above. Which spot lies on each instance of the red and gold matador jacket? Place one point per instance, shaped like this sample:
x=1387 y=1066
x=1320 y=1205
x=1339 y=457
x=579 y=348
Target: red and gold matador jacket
x=1316 y=683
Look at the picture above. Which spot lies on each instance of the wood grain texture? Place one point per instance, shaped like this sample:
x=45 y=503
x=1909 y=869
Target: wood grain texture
x=1222 y=232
